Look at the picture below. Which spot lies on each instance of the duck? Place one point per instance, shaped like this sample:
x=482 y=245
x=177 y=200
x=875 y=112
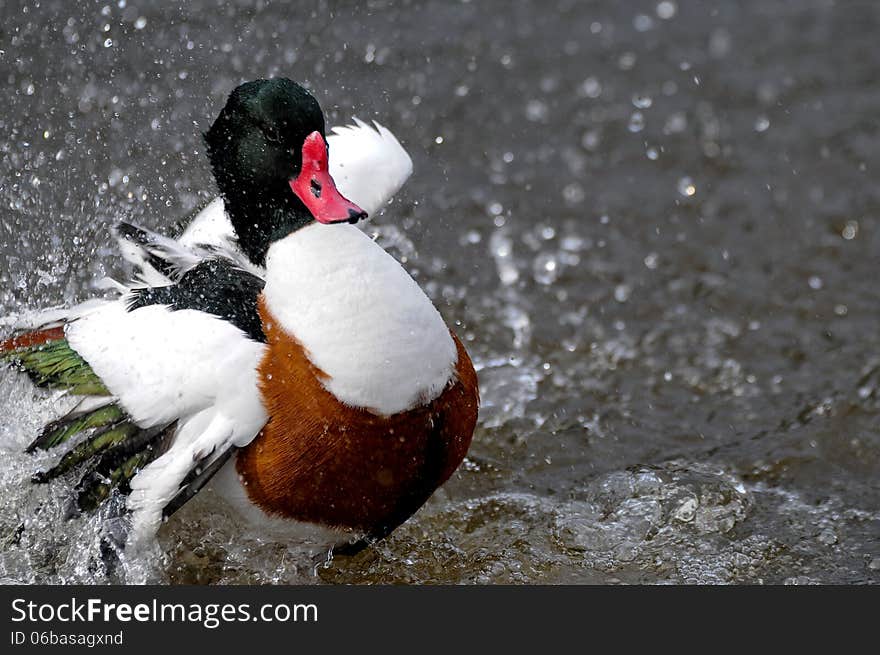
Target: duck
x=274 y=352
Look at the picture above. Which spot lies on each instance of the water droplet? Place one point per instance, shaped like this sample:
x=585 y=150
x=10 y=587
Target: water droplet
x=573 y=193
x=472 y=237
x=850 y=230
x=651 y=260
x=652 y=154
x=686 y=511
x=572 y=243
x=108 y=43
x=438 y=140
x=676 y=123
x=815 y=282
x=666 y=9
x=591 y=87
x=545 y=268
x=536 y=110
x=590 y=140
x=686 y=186
x=622 y=292
x=501 y=245
x=627 y=61
x=762 y=123
x=643 y=22
x=501 y=248
x=642 y=101
x=636 y=122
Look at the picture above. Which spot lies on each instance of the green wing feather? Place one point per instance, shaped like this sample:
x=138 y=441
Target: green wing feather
x=111 y=447
x=67 y=427
x=56 y=365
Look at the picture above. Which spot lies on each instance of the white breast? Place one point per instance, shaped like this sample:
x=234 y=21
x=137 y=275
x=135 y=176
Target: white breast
x=360 y=317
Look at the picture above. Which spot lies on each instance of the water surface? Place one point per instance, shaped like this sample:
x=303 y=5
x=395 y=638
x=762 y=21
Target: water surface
x=655 y=224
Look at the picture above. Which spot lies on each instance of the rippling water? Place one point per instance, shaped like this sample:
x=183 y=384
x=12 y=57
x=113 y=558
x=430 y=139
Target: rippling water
x=656 y=225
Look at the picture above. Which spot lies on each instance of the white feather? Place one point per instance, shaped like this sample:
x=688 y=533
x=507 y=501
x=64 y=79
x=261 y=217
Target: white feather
x=145 y=273
x=205 y=238
x=361 y=318
x=210 y=227
x=50 y=317
x=368 y=164
x=165 y=366
x=153 y=488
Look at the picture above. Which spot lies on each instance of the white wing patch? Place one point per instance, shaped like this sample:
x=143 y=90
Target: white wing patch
x=209 y=235
x=49 y=317
x=165 y=366
x=211 y=227
x=368 y=164
x=179 y=259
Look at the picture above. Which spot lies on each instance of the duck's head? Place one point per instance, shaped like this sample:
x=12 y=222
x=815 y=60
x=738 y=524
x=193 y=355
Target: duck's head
x=270 y=160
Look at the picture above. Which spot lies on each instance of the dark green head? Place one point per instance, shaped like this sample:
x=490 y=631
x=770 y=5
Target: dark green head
x=258 y=147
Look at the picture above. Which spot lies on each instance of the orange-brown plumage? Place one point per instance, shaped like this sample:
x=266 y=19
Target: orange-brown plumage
x=320 y=461
x=30 y=339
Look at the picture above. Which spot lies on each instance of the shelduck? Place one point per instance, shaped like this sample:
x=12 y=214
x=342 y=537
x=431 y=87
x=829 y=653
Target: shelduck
x=274 y=351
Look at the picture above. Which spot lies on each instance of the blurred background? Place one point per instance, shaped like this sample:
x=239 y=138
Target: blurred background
x=655 y=224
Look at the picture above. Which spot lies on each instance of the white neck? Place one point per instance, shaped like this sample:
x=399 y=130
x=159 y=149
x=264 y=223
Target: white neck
x=360 y=317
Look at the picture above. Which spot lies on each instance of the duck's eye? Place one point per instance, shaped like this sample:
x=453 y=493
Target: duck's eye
x=271 y=134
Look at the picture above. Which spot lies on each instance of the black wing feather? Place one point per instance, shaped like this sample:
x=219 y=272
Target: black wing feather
x=214 y=286
x=193 y=483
